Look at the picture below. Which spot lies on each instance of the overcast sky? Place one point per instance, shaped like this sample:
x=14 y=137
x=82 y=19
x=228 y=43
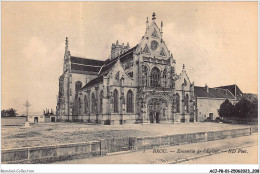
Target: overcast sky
x=217 y=41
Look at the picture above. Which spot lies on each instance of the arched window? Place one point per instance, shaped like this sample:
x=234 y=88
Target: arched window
x=85 y=105
x=78 y=85
x=155 y=77
x=129 y=102
x=101 y=101
x=187 y=103
x=115 y=95
x=165 y=77
x=145 y=76
x=93 y=102
x=177 y=103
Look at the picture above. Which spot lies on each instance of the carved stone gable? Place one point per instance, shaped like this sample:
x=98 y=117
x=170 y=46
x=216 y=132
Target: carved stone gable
x=154 y=34
x=146 y=49
x=162 y=53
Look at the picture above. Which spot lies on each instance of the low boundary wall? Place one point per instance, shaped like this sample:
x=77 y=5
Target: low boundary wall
x=13 y=121
x=48 y=154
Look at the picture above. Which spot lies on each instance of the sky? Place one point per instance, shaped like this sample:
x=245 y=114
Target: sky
x=217 y=42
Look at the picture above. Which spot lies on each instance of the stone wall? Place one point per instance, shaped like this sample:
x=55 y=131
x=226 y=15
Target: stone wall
x=49 y=154
x=13 y=121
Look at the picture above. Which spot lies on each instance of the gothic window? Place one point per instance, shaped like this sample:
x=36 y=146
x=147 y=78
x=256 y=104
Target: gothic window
x=146 y=49
x=101 y=101
x=129 y=102
x=187 y=103
x=165 y=77
x=154 y=45
x=155 y=77
x=177 y=103
x=94 y=104
x=145 y=76
x=115 y=95
x=154 y=34
x=85 y=105
x=78 y=85
x=162 y=53
x=171 y=83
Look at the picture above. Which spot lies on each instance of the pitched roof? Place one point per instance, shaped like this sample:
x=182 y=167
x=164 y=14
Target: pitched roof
x=123 y=57
x=234 y=89
x=93 y=82
x=83 y=64
x=84 y=68
x=85 y=61
x=213 y=93
x=91 y=65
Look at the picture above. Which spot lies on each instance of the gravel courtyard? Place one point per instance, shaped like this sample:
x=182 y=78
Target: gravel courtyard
x=42 y=134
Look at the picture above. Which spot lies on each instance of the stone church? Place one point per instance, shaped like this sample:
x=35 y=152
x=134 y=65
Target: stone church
x=136 y=85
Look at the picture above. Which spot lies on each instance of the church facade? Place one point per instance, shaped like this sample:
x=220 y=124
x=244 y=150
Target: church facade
x=136 y=85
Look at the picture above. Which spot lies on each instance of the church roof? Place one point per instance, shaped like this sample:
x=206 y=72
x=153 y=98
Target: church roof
x=123 y=57
x=213 y=93
x=84 y=68
x=93 y=82
x=91 y=65
x=85 y=61
x=83 y=64
x=234 y=89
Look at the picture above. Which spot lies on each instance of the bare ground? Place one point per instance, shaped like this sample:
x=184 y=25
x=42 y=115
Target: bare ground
x=42 y=134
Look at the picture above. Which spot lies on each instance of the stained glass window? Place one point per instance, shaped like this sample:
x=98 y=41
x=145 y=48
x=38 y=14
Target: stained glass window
x=115 y=101
x=129 y=104
x=155 y=77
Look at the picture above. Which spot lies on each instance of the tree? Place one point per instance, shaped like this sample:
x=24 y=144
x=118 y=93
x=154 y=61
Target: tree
x=9 y=113
x=226 y=109
x=246 y=109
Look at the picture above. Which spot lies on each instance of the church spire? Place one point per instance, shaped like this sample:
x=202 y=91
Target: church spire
x=66 y=44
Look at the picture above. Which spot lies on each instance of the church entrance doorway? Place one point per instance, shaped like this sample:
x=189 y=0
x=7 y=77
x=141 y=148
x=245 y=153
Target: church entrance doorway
x=156 y=110
x=35 y=119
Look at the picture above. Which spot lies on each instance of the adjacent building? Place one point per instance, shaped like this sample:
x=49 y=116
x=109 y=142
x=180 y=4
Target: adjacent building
x=208 y=101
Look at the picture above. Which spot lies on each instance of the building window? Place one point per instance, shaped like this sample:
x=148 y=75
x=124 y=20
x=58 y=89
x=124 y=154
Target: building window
x=94 y=105
x=187 y=103
x=145 y=76
x=177 y=103
x=115 y=95
x=165 y=77
x=78 y=85
x=129 y=102
x=155 y=77
x=85 y=105
x=101 y=101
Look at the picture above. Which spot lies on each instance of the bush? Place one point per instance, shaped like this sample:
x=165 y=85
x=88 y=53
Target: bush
x=218 y=119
